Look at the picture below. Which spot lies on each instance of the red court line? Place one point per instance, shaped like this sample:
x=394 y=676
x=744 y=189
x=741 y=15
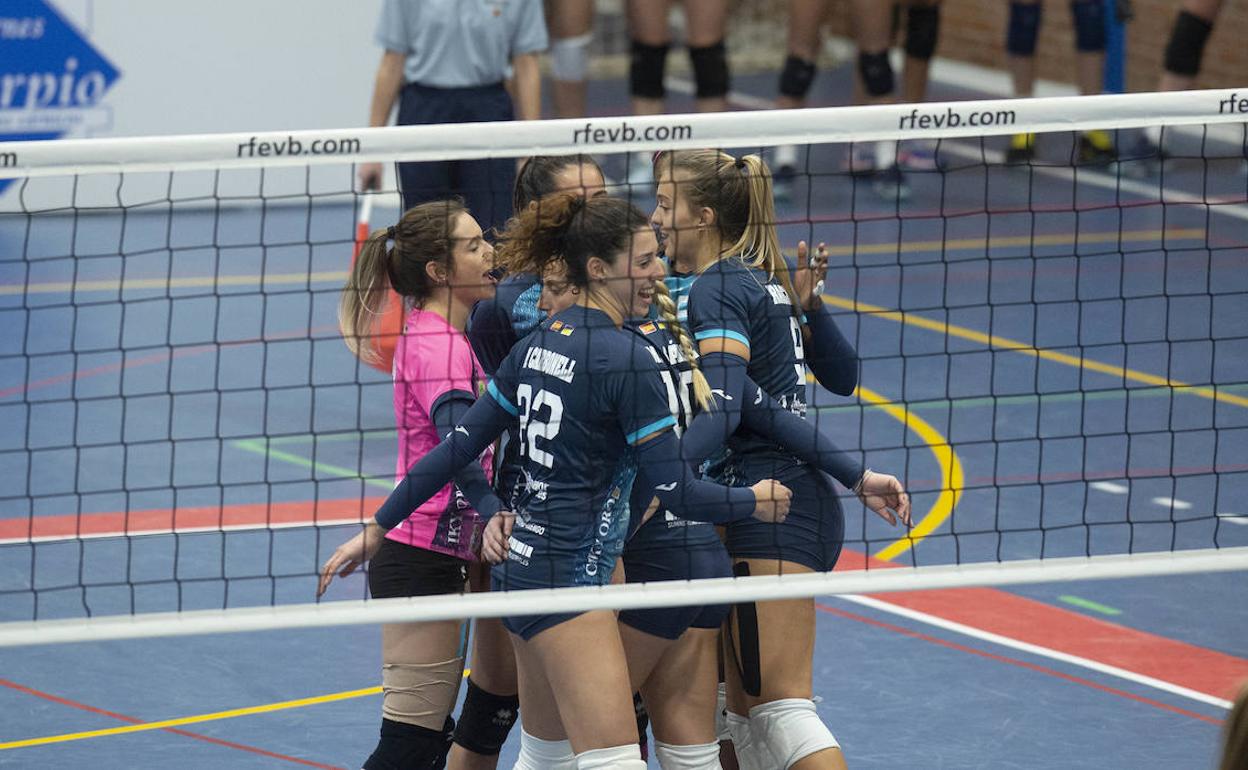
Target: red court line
x=186 y=733
x=1044 y=625
x=1014 y=662
x=196 y=519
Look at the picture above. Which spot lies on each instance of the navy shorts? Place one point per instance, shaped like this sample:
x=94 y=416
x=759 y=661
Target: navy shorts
x=539 y=572
x=667 y=548
x=485 y=184
x=813 y=532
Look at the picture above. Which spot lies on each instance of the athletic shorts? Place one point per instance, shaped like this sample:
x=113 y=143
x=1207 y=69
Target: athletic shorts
x=813 y=532
x=668 y=548
x=399 y=569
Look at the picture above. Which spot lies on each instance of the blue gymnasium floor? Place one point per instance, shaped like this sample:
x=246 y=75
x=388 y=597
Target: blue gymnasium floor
x=1041 y=443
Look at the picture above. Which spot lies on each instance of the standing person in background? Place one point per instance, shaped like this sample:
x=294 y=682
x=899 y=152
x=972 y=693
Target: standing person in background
x=1088 y=17
x=875 y=26
x=446 y=61
x=1184 y=53
x=571 y=25
x=706 y=24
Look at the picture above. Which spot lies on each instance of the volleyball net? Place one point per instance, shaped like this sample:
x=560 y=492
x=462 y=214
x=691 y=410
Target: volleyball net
x=1053 y=354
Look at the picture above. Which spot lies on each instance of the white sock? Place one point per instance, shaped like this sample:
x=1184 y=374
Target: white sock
x=786 y=155
x=885 y=154
x=537 y=754
x=627 y=757
x=699 y=756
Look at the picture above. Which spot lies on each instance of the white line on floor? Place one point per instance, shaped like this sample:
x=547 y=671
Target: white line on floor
x=1110 y=487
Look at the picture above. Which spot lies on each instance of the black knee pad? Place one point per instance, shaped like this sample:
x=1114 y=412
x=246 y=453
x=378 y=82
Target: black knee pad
x=486 y=720
x=922 y=29
x=1089 y=19
x=710 y=70
x=1187 y=44
x=1024 y=28
x=645 y=70
x=877 y=73
x=796 y=77
x=408 y=747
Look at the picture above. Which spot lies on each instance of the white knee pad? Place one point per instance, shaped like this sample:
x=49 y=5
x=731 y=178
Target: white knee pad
x=788 y=730
x=744 y=744
x=721 y=714
x=626 y=757
x=700 y=756
x=537 y=754
x=569 y=57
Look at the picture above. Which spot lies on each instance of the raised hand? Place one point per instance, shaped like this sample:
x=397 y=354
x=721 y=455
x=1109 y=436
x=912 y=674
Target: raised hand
x=808 y=278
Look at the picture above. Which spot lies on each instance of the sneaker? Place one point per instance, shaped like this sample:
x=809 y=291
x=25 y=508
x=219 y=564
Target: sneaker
x=1144 y=158
x=1022 y=149
x=860 y=160
x=891 y=184
x=913 y=155
x=1096 y=148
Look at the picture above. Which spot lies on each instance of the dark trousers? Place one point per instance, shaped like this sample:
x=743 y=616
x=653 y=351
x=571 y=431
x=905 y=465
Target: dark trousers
x=485 y=185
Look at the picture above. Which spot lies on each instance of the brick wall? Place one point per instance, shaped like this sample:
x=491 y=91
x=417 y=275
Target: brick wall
x=974 y=31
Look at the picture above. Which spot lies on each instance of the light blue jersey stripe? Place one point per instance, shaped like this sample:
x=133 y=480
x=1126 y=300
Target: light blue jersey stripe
x=492 y=389
x=653 y=427
x=708 y=334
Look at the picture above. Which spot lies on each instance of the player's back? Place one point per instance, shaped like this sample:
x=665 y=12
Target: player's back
x=583 y=391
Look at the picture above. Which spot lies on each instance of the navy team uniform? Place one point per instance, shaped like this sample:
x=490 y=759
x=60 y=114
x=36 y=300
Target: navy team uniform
x=668 y=547
x=584 y=393
x=731 y=300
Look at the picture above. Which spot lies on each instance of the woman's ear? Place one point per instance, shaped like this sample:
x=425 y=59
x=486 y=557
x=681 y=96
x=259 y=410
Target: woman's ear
x=435 y=271
x=596 y=269
x=706 y=217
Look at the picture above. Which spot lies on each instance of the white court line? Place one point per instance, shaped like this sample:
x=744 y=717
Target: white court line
x=1033 y=649
x=1085 y=176
x=1170 y=502
x=1234 y=518
x=256 y=527
x=1110 y=487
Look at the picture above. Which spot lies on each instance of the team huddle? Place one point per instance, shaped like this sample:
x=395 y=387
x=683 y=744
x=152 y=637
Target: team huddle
x=647 y=375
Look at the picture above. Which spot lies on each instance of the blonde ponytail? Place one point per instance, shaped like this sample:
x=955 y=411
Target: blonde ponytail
x=667 y=309
x=759 y=238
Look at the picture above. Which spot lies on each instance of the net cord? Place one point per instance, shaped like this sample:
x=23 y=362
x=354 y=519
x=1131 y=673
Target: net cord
x=935 y=120
x=630 y=596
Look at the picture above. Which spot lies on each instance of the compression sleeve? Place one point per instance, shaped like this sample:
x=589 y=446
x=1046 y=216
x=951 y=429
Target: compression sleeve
x=726 y=374
x=661 y=473
x=448 y=412
x=482 y=424
x=831 y=357
x=765 y=416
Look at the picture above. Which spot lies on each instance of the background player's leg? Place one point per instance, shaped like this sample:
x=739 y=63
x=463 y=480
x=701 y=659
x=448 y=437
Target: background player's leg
x=706 y=24
x=778 y=667
x=680 y=692
x=1022 y=32
x=805 y=23
x=922 y=32
x=570 y=23
x=873 y=32
x=493 y=667
x=1186 y=46
x=647 y=26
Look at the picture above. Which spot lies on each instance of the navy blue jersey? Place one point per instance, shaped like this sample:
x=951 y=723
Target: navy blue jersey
x=584 y=391
x=731 y=300
x=498 y=323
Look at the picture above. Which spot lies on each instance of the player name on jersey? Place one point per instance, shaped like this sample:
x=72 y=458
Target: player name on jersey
x=550 y=362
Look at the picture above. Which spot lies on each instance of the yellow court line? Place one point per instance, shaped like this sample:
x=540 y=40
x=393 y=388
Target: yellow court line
x=196 y=282
x=1004 y=343
x=972 y=244
x=951 y=244
x=950 y=472
x=182 y=721
x=243 y=712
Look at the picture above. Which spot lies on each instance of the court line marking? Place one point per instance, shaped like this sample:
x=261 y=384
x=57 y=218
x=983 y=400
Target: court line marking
x=191 y=720
x=953 y=478
x=883 y=606
x=1088 y=604
x=271 y=280
x=1118 y=183
x=1170 y=502
x=1234 y=518
x=997 y=342
x=258 y=447
x=186 y=733
x=1110 y=487
x=1033 y=649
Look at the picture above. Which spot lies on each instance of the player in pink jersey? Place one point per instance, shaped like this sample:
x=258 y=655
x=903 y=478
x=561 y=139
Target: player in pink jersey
x=438 y=260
